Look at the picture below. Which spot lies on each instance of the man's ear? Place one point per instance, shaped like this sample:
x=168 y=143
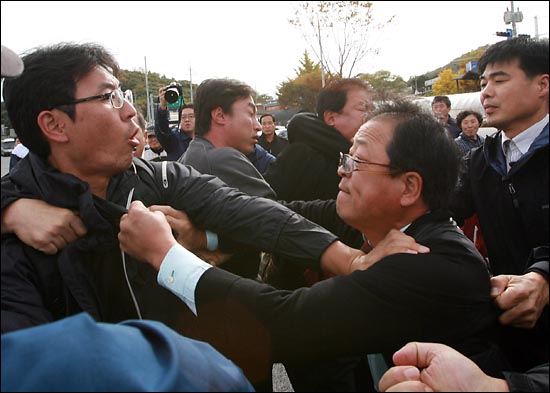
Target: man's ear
x=52 y=123
x=329 y=117
x=412 y=188
x=543 y=84
x=218 y=116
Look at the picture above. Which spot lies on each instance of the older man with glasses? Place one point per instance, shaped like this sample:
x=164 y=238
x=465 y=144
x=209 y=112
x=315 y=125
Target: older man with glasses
x=391 y=181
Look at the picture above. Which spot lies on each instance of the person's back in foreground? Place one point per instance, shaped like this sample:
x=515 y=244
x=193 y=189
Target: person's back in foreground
x=78 y=354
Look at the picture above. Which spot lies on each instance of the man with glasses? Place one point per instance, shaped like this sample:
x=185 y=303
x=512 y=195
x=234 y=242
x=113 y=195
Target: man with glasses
x=175 y=140
x=306 y=169
x=391 y=181
x=68 y=110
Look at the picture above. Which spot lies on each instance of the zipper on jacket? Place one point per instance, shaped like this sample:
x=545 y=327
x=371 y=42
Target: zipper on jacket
x=164 y=176
x=512 y=191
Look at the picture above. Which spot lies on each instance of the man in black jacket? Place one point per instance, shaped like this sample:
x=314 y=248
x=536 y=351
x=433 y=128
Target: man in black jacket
x=306 y=169
x=391 y=180
x=506 y=183
x=69 y=110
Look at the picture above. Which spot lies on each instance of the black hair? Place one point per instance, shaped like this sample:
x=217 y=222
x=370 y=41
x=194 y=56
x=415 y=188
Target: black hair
x=48 y=81
x=464 y=114
x=443 y=99
x=267 y=115
x=532 y=54
x=335 y=95
x=217 y=93
x=182 y=107
x=420 y=144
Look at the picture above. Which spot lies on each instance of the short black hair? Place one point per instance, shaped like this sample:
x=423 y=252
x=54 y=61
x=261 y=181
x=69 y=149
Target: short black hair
x=464 y=114
x=420 y=144
x=266 y=115
x=443 y=99
x=48 y=81
x=184 y=106
x=214 y=93
x=335 y=95
x=532 y=54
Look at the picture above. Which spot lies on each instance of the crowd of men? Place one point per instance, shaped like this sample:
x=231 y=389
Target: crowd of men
x=340 y=255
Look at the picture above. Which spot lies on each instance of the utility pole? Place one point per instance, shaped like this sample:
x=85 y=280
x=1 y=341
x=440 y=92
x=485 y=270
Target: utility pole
x=512 y=17
x=514 y=31
x=190 y=84
x=537 y=27
x=147 y=93
x=321 y=50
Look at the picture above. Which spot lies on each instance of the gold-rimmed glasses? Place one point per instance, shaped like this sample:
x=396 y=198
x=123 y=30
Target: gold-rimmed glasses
x=350 y=164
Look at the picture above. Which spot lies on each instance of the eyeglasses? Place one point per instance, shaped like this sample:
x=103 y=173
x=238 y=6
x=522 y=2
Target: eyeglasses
x=189 y=116
x=116 y=98
x=349 y=165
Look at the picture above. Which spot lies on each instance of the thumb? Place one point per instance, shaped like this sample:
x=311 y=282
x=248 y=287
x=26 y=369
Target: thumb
x=416 y=354
x=498 y=285
x=137 y=205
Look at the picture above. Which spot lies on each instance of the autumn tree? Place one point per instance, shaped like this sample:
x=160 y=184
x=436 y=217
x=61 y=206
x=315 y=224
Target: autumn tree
x=445 y=85
x=301 y=92
x=385 y=84
x=338 y=32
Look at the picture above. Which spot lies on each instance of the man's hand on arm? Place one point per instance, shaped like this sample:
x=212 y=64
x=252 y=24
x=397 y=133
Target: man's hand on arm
x=44 y=227
x=186 y=233
x=395 y=242
x=341 y=259
x=189 y=236
x=338 y=258
x=522 y=298
x=146 y=235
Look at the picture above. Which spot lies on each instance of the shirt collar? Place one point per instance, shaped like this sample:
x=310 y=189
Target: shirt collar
x=524 y=139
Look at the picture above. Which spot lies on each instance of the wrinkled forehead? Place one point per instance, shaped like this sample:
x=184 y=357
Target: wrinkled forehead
x=375 y=133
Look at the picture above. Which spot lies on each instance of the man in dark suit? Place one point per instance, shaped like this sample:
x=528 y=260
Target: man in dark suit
x=392 y=181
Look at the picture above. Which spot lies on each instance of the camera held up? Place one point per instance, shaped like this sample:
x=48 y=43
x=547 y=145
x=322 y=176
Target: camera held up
x=172 y=92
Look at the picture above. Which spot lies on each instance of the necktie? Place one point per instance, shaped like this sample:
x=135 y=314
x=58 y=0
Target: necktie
x=366 y=247
x=512 y=153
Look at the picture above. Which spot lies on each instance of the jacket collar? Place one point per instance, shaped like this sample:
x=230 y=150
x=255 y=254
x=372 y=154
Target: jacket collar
x=492 y=150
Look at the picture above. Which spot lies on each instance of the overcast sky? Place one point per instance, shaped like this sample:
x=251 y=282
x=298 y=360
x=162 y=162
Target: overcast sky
x=253 y=41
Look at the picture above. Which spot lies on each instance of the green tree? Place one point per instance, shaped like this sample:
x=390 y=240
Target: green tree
x=338 y=32
x=385 y=85
x=445 y=85
x=135 y=81
x=263 y=98
x=301 y=92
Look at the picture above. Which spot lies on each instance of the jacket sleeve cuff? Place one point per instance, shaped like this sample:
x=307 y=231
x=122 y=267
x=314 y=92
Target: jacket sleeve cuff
x=539 y=267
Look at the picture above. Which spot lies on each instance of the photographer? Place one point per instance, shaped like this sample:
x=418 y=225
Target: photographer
x=175 y=140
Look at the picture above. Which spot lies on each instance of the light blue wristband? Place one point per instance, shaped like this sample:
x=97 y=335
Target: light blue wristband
x=211 y=241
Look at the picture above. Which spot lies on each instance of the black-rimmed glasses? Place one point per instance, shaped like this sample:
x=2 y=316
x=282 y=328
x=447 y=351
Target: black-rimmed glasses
x=116 y=98
x=349 y=165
